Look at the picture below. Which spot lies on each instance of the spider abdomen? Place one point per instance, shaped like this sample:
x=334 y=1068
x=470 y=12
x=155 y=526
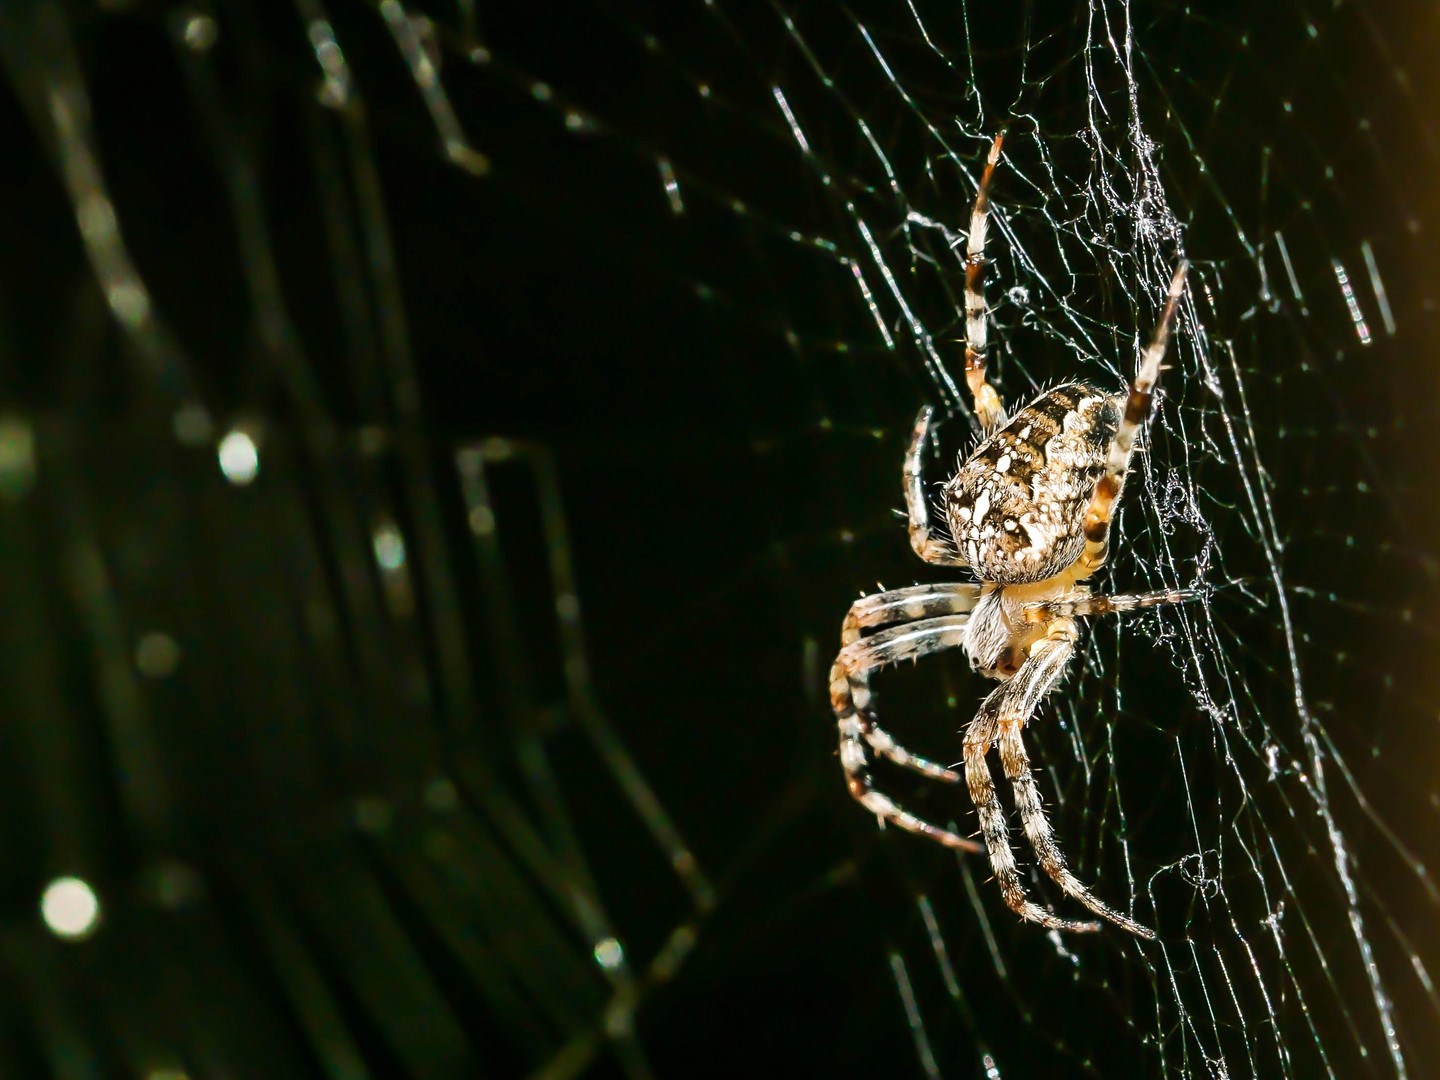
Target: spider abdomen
x=1015 y=505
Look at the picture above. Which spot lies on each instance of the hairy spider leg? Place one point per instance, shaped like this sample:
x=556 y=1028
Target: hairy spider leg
x=989 y=409
x=930 y=548
x=907 y=605
x=850 y=694
x=1048 y=660
x=1108 y=605
x=850 y=698
x=1008 y=707
x=1137 y=409
x=883 y=609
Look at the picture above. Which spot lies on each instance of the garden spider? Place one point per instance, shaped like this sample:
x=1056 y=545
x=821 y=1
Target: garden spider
x=1029 y=512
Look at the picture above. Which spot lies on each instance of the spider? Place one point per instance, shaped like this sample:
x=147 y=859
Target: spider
x=1029 y=513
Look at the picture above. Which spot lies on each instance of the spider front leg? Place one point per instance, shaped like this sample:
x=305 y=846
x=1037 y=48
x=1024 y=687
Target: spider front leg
x=1137 y=409
x=989 y=410
x=850 y=693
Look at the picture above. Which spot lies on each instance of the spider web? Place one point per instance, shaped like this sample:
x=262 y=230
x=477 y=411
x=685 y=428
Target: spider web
x=1126 y=146
x=1279 y=900
x=1241 y=824
x=633 y=308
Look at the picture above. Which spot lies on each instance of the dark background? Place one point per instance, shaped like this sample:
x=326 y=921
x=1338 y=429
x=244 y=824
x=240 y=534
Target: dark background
x=376 y=820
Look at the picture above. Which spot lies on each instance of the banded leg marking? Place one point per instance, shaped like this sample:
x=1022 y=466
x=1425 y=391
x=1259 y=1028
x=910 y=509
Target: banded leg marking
x=1109 y=605
x=1137 y=408
x=1009 y=706
x=850 y=698
x=1049 y=659
x=989 y=409
x=906 y=605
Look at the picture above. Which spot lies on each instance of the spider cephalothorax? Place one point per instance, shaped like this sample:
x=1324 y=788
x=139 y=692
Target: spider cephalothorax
x=1029 y=513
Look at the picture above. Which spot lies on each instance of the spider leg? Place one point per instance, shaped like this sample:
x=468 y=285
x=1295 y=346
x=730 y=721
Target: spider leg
x=883 y=609
x=1008 y=707
x=1137 y=409
x=850 y=698
x=1049 y=659
x=1108 y=605
x=929 y=548
x=906 y=605
x=989 y=409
